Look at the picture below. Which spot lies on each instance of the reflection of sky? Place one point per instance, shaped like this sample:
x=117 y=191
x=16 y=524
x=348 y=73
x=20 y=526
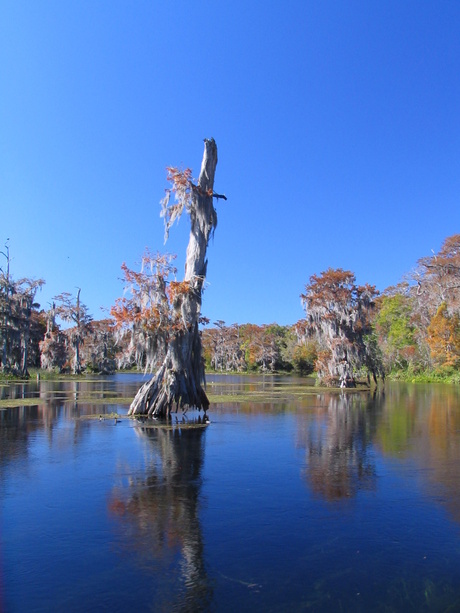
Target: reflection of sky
x=55 y=522
x=380 y=532
x=268 y=538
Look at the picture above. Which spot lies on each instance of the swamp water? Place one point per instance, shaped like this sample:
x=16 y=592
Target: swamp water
x=291 y=499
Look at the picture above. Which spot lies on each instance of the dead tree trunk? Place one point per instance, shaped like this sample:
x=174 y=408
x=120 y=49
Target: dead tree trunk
x=77 y=338
x=180 y=379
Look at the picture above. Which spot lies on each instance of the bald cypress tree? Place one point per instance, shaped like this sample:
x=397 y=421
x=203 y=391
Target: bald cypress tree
x=164 y=315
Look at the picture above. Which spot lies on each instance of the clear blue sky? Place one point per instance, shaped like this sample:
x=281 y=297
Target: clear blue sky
x=337 y=125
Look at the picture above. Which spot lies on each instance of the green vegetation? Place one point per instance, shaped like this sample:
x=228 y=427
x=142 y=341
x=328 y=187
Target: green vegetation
x=12 y=403
x=410 y=332
x=440 y=375
x=397 y=333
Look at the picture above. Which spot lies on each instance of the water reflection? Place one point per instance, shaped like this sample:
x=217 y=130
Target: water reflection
x=423 y=423
x=343 y=434
x=113 y=517
x=339 y=457
x=18 y=390
x=159 y=512
x=57 y=403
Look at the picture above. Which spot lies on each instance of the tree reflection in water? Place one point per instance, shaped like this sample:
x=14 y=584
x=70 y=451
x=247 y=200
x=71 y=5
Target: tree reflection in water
x=159 y=512
x=339 y=460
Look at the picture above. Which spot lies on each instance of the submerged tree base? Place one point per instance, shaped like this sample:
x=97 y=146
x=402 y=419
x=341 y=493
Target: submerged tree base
x=166 y=392
x=144 y=423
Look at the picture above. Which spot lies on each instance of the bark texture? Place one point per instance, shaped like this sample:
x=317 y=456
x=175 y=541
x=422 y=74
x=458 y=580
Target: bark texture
x=179 y=382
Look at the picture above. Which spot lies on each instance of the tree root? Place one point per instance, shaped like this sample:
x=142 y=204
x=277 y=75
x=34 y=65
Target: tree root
x=166 y=389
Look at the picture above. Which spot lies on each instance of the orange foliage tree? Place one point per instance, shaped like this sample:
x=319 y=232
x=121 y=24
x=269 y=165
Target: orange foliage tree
x=338 y=316
x=146 y=313
x=438 y=276
x=444 y=337
x=437 y=281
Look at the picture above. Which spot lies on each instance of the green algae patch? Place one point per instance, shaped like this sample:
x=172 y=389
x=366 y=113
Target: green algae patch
x=103 y=417
x=105 y=400
x=147 y=423
x=281 y=393
x=13 y=403
x=182 y=425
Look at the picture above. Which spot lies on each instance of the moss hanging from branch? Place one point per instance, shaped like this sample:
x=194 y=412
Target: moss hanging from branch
x=163 y=314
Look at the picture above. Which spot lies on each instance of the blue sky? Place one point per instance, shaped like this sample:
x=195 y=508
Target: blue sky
x=337 y=125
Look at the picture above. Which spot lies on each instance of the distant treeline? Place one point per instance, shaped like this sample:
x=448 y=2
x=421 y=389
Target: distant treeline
x=411 y=330
x=349 y=332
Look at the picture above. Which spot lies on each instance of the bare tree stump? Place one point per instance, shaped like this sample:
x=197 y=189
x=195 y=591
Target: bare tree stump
x=179 y=382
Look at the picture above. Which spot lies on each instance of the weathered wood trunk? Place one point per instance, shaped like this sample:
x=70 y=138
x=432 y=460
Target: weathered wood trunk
x=76 y=340
x=25 y=336
x=180 y=379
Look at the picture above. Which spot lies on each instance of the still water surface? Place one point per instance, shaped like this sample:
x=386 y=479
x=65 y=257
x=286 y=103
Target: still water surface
x=296 y=502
